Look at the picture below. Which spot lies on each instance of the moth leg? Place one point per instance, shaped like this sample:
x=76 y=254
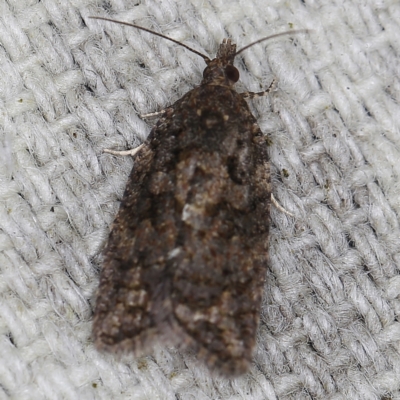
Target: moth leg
x=130 y=152
x=279 y=207
x=153 y=114
x=253 y=95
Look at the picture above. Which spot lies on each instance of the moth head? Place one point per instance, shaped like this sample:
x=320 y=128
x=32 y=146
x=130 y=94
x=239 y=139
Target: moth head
x=221 y=71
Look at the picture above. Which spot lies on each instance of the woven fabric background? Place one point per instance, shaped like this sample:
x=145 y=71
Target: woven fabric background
x=71 y=86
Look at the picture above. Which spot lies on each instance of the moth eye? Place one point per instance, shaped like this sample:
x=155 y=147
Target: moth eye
x=232 y=73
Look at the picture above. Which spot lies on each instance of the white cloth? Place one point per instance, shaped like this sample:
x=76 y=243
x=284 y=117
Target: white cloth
x=69 y=90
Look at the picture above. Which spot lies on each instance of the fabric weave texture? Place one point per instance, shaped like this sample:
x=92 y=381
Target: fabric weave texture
x=71 y=87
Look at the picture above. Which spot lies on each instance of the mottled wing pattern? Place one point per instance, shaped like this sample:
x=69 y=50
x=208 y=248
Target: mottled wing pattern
x=186 y=258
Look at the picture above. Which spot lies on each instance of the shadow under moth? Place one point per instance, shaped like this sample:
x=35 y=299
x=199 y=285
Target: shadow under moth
x=186 y=259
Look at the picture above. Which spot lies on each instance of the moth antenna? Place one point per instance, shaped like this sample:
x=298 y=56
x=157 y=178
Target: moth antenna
x=272 y=37
x=206 y=59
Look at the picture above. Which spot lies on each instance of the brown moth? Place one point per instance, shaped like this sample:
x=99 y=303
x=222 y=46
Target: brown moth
x=187 y=255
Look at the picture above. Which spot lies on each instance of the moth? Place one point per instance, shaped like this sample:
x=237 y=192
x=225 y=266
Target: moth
x=186 y=258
